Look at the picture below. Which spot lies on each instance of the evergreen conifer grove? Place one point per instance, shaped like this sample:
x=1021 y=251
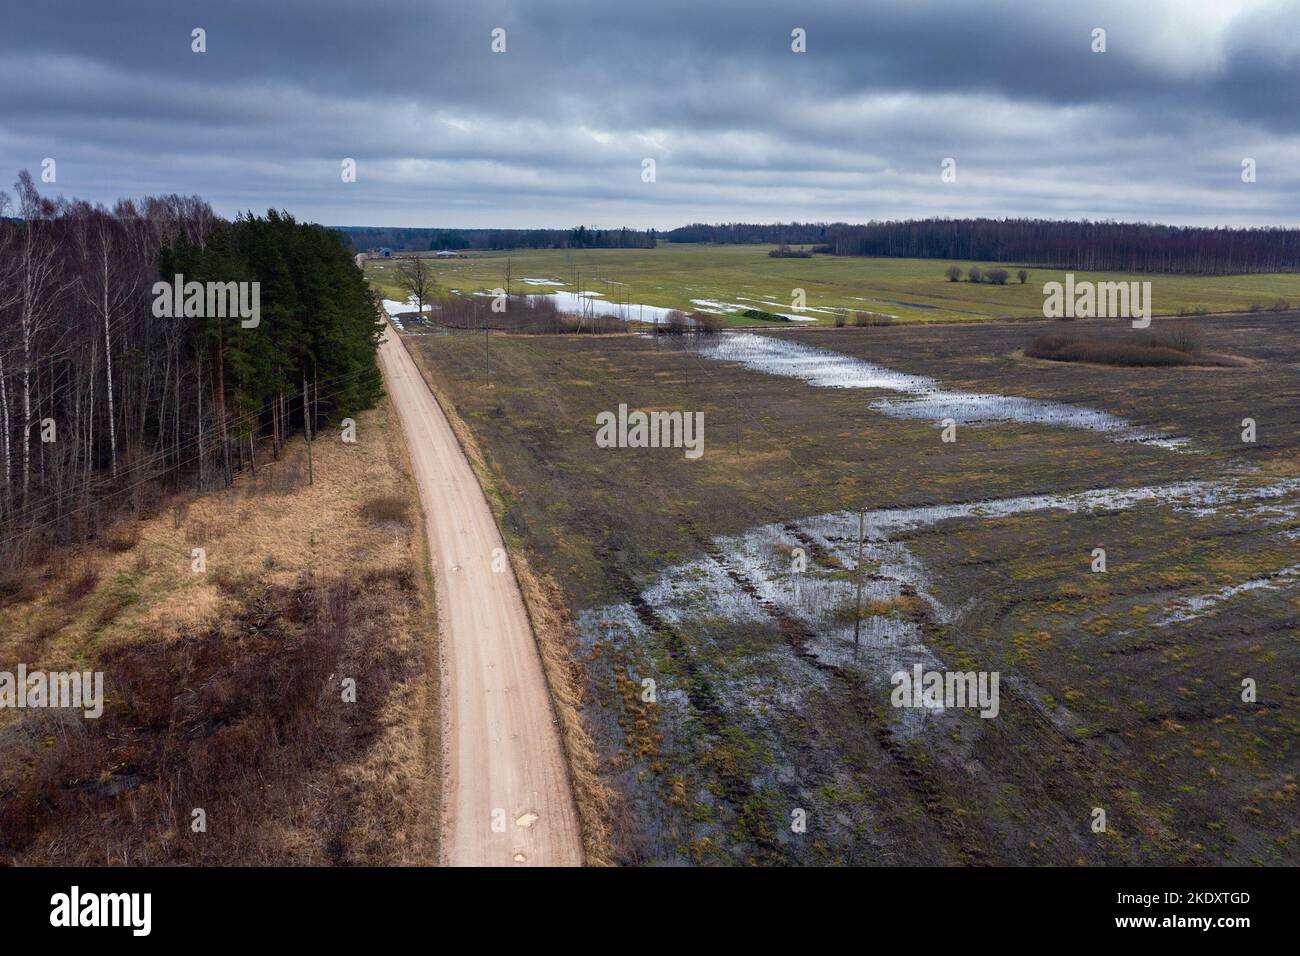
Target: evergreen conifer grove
x=105 y=404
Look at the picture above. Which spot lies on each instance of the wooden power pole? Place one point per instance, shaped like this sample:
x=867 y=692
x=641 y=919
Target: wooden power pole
x=857 y=616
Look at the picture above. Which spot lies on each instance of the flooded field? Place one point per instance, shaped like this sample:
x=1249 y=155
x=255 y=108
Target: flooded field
x=742 y=661
x=927 y=399
x=775 y=619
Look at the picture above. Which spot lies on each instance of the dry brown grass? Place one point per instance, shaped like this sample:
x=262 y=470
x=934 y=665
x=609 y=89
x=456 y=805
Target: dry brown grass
x=224 y=686
x=122 y=537
x=17 y=584
x=80 y=584
x=553 y=629
x=387 y=509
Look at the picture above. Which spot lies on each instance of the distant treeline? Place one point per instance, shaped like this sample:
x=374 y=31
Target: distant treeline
x=798 y=233
x=1048 y=243
x=364 y=238
x=107 y=395
x=1113 y=246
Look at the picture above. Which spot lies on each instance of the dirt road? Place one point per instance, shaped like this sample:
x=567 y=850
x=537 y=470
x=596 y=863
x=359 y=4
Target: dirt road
x=508 y=800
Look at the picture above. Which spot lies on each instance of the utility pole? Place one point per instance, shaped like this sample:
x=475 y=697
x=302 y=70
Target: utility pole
x=738 y=417
x=581 y=301
x=857 y=617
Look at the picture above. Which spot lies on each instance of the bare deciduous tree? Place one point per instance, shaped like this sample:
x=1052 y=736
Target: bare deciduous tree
x=40 y=286
x=415 y=278
x=108 y=282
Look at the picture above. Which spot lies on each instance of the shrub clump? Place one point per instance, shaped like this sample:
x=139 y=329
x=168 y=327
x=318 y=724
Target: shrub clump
x=783 y=251
x=707 y=323
x=765 y=316
x=1177 y=346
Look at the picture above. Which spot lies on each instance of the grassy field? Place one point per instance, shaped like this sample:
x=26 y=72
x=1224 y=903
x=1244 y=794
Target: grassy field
x=1121 y=690
x=912 y=289
x=224 y=687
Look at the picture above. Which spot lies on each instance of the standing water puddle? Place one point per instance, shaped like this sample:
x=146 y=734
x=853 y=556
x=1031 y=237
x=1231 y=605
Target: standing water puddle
x=747 y=579
x=588 y=303
x=1191 y=608
x=928 y=399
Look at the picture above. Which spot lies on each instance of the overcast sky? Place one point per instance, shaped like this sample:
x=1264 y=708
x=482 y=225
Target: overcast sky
x=554 y=131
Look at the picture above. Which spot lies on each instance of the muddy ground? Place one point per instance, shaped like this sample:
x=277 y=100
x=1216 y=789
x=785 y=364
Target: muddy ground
x=731 y=583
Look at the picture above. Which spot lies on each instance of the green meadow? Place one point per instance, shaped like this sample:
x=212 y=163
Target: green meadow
x=744 y=276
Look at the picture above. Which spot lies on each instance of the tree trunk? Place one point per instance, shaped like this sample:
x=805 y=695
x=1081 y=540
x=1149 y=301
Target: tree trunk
x=27 y=416
x=108 y=365
x=306 y=430
x=220 y=409
x=4 y=402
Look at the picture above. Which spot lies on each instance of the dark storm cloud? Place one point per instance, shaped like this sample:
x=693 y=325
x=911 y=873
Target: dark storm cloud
x=554 y=131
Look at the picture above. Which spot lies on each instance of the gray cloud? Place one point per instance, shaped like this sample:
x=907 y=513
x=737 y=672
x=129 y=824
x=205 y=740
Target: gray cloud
x=553 y=132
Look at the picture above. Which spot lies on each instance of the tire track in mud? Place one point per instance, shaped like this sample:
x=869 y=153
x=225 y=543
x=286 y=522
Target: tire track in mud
x=699 y=693
x=919 y=780
x=1020 y=699
x=1077 y=766
x=819 y=553
x=1022 y=702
